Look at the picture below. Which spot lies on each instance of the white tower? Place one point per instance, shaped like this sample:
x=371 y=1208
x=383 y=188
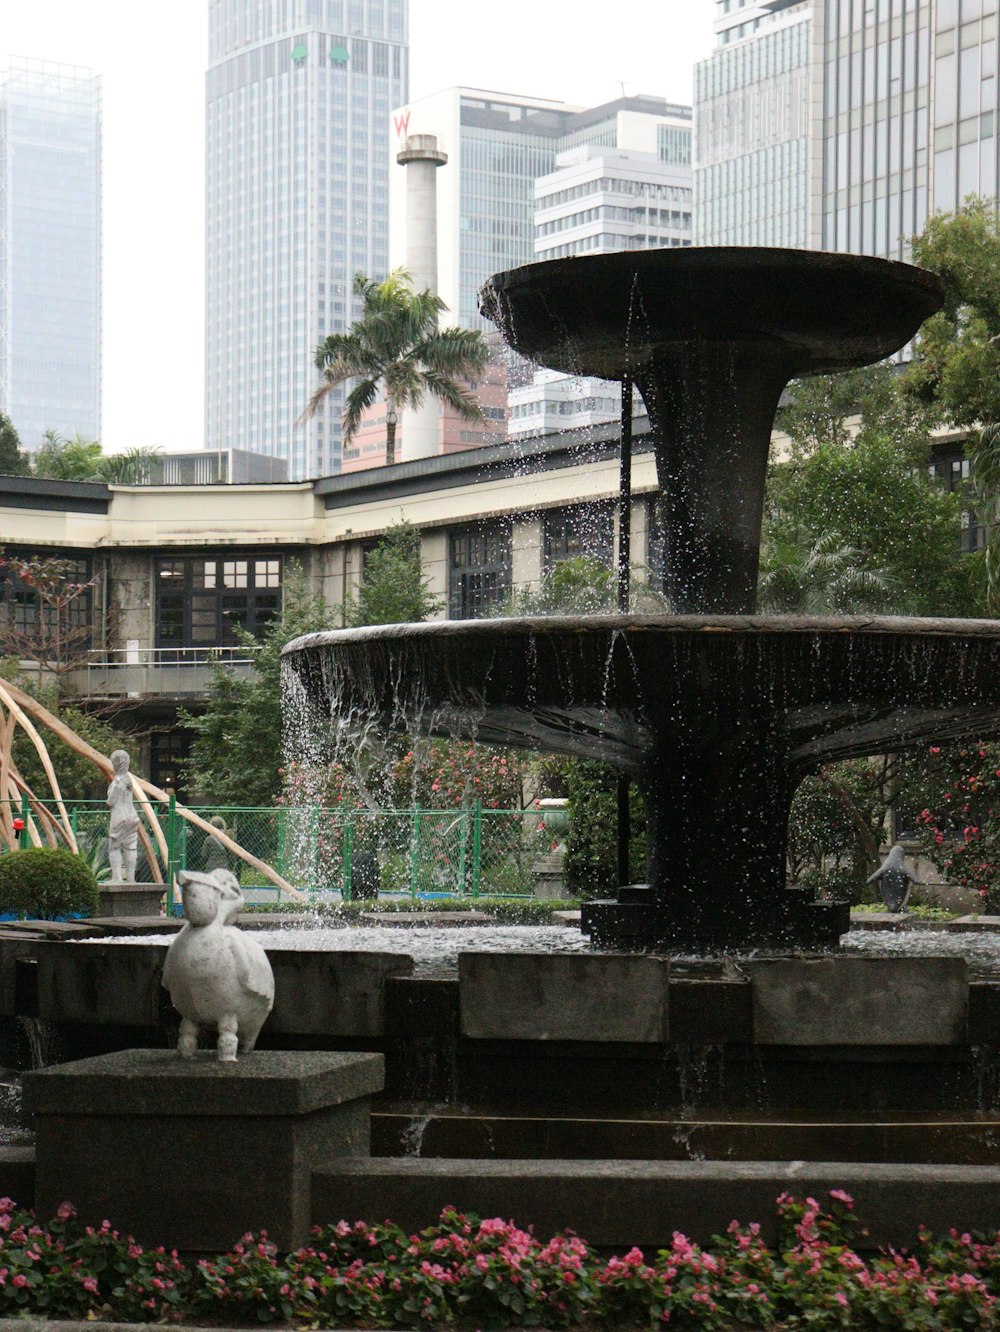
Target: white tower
x=421 y=157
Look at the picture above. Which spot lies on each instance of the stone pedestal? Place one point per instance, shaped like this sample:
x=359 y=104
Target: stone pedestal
x=548 y=876
x=192 y=1154
x=130 y=899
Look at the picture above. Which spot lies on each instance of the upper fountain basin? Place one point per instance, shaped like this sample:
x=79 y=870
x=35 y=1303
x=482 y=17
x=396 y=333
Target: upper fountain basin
x=608 y=315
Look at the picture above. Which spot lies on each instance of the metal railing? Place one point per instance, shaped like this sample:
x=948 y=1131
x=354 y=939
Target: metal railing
x=466 y=851
x=132 y=672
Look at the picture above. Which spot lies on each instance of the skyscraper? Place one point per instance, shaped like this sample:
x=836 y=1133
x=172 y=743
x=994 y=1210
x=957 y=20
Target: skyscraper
x=754 y=148
x=299 y=95
x=50 y=249
x=843 y=125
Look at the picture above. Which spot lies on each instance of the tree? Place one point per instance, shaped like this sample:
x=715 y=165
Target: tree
x=61 y=459
x=397 y=345
x=131 y=467
x=13 y=461
x=393 y=589
x=956 y=365
x=833 y=410
x=53 y=629
x=236 y=757
x=81 y=459
x=961 y=830
x=870 y=498
x=800 y=575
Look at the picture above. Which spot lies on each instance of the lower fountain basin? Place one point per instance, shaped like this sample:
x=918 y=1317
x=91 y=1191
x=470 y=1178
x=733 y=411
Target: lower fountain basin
x=718 y=718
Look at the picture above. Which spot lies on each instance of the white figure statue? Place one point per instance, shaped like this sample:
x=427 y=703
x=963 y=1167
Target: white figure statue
x=217 y=976
x=123 y=831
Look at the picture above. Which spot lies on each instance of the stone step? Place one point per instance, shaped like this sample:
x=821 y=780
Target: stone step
x=619 y=1203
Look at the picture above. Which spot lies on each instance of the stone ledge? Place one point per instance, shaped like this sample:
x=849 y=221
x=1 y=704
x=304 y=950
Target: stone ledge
x=159 y=1082
x=563 y=997
x=612 y=1203
x=859 y=1001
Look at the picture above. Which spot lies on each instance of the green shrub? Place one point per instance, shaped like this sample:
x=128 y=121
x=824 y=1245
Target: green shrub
x=41 y=882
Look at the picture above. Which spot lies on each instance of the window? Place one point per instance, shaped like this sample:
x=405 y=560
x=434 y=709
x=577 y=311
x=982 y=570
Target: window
x=584 y=531
x=200 y=601
x=38 y=618
x=479 y=570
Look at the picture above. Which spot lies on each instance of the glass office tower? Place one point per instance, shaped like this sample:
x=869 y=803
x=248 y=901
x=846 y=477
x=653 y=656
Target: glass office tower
x=50 y=250
x=299 y=95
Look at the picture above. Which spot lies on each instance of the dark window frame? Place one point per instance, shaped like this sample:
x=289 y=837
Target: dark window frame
x=480 y=569
x=578 y=531
x=200 y=598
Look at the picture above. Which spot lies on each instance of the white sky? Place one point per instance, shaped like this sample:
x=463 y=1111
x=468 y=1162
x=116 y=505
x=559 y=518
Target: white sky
x=152 y=58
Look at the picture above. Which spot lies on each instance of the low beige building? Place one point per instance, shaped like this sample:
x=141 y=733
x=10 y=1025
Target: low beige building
x=175 y=568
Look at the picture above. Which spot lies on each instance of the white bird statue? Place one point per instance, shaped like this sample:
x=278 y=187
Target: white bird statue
x=216 y=975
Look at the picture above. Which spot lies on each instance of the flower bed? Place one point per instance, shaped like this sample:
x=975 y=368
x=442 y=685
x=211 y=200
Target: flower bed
x=466 y=1272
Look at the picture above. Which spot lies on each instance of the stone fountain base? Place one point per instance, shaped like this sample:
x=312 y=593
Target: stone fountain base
x=192 y=1154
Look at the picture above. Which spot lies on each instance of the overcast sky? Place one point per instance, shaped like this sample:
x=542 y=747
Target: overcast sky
x=152 y=56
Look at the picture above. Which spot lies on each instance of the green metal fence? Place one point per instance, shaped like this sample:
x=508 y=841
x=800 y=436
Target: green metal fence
x=468 y=850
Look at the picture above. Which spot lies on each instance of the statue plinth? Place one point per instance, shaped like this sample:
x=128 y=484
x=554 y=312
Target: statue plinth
x=130 y=899
x=193 y=1153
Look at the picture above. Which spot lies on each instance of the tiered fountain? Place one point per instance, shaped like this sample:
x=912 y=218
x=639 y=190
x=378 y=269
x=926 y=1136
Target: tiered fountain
x=716 y=712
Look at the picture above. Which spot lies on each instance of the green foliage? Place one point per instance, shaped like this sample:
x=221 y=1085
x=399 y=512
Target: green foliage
x=591 y=864
x=803 y=576
x=396 y=344
x=43 y=882
x=466 y=1271
x=960 y=820
x=61 y=459
x=393 y=589
x=236 y=754
x=581 y=586
x=831 y=410
x=956 y=368
x=13 y=460
x=901 y=526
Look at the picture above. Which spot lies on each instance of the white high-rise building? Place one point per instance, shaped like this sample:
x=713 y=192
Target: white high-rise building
x=518 y=165
x=843 y=125
x=50 y=250
x=753 y=148
x=601 y=200
x=299 y=95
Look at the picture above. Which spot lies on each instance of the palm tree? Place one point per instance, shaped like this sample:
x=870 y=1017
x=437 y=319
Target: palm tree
x=396 y=343
x=61 y=459
x=803 y=575
x=131 y=467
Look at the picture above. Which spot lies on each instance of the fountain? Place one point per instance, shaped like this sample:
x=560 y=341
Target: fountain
x=717 y=713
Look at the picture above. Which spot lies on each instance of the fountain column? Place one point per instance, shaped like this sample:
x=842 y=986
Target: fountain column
x=711 y=406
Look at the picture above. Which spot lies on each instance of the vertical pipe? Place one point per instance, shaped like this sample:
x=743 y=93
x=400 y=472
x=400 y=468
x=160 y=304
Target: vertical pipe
x=624 y=580
x=625 y=498
x=477 y=849
x=24 y=839
x=414 y=849
x=348 y=857
x=463 y=851
x=172 y=866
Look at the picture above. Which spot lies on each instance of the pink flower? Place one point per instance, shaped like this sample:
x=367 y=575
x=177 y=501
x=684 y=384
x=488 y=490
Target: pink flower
x=65 y=1211
x=89 y=1283
x=20 y=1279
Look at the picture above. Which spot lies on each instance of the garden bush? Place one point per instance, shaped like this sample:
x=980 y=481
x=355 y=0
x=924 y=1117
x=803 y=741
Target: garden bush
x=45 y=882
x=469 y=1272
